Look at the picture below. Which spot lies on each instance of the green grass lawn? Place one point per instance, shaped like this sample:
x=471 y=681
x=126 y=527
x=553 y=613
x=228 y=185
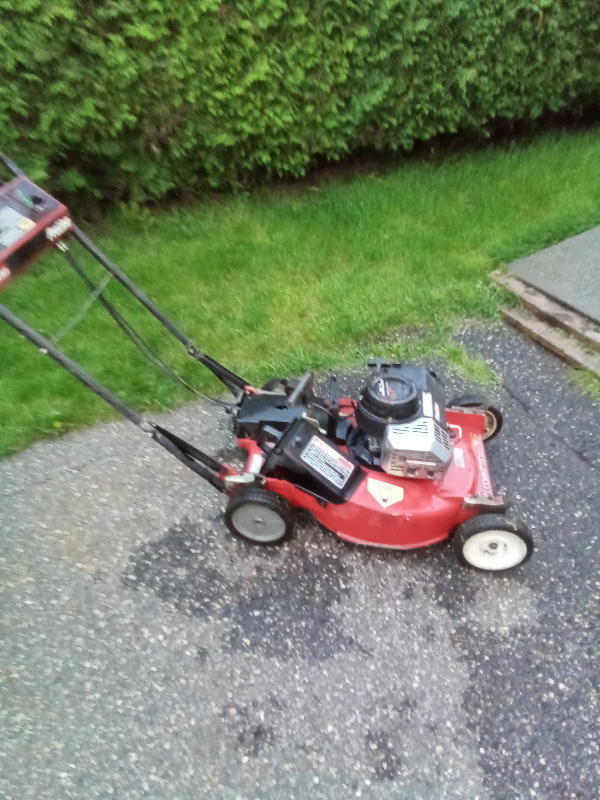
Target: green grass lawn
x=282 y=281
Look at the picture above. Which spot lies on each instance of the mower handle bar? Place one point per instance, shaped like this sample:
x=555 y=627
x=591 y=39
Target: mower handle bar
x=304 y=387
x=232 y=381
x=199 y=462
x=10 y=164
x=226 y=376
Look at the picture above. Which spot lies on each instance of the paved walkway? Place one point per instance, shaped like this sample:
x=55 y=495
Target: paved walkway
x=568 y=272
x=147 y=654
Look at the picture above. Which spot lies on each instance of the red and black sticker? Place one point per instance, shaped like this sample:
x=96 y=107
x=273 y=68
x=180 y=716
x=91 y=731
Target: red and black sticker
x=327 y=462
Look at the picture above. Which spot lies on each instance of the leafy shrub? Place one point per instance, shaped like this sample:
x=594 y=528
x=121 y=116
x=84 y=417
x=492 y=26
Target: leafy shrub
x=127 y=99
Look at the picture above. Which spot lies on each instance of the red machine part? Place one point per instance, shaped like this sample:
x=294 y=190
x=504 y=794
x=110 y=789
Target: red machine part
x=403 y=513
x=31 y=221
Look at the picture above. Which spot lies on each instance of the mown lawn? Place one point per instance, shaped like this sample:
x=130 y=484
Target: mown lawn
x=281 y=281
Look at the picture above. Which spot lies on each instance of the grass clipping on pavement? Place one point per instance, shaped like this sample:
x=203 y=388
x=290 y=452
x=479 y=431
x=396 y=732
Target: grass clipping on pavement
x=283 y=281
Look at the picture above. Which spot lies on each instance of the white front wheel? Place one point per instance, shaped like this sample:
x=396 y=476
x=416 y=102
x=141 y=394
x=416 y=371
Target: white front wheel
x=492 y=542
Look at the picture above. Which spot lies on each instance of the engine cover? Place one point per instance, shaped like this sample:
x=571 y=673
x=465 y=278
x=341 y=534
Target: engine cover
x=417 y=449
x=398 y=393
x=401 y=421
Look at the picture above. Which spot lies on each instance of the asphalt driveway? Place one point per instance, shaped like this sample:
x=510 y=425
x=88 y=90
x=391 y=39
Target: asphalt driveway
x=147 y=654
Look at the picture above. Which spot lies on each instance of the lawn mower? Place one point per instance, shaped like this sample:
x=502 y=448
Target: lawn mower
x=397 y=467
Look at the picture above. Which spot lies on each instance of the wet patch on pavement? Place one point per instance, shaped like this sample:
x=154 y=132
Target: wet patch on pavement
x=282 y=604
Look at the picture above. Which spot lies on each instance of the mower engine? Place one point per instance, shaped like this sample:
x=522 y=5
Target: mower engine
x=401 y=422
x=397 y=426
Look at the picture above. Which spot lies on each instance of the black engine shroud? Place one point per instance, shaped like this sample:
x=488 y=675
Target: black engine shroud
x=394 y=393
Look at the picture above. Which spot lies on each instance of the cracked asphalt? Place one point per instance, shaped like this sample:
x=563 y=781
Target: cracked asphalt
x=145 y=653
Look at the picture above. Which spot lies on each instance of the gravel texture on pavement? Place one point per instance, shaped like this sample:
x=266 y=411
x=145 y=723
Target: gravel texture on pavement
x=146 y=653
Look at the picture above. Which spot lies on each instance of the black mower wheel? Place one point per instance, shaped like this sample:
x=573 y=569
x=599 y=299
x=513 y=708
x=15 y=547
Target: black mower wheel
x=260 y=516
x=493 y=422
x=493 y=543
x=493 y=415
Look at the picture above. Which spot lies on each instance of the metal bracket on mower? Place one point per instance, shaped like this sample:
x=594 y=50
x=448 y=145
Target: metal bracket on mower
x=492 y=503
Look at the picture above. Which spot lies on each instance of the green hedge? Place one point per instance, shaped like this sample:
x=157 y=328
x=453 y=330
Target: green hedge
x=127 y=99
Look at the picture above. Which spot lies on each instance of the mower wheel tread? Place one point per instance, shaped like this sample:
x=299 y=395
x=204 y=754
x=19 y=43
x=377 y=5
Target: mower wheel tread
x=494 y=533
x=260 y=516
x=494 y=420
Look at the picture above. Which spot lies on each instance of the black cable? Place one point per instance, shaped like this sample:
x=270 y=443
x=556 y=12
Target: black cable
x=233 y=382
x=128 y=329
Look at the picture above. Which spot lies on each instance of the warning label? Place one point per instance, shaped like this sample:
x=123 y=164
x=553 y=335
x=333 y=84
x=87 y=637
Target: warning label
x=13 y=226
x=325 y=460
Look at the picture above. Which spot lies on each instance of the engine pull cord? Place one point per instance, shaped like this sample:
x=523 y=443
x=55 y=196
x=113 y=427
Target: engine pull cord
x=147 y=351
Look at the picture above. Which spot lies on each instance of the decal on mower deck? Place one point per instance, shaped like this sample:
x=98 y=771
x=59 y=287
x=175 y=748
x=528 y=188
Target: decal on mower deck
x=327 y=462
x=459 y=457
x=385 y=494
x=484 y=473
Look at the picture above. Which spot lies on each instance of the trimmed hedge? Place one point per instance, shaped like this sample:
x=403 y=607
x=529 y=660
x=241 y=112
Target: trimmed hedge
x=128 y=99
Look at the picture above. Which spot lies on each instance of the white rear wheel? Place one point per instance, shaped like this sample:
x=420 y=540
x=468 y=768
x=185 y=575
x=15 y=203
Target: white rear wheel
x=494 y=550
